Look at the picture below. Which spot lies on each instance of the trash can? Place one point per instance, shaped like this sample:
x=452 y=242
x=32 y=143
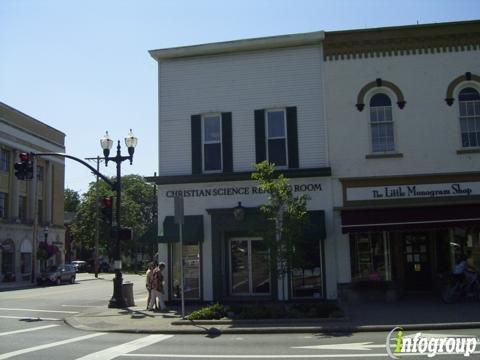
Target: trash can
x=128 y=293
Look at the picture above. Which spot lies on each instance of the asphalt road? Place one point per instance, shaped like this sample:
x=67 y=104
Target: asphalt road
x=31 y=327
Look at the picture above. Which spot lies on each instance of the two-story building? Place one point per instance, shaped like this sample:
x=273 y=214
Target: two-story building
x=403 y=107
x=378 y=126
x=222 y=108
x=20 y=200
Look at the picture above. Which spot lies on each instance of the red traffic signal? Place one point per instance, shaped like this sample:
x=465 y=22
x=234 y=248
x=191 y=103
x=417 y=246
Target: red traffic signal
x=107 y=202
x=24 y=168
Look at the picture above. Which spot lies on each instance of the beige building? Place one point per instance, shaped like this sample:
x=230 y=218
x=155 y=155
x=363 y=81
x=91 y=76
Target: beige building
x=21 y=200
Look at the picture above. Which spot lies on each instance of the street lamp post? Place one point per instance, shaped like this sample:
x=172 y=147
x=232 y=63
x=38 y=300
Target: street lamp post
x=117 y=300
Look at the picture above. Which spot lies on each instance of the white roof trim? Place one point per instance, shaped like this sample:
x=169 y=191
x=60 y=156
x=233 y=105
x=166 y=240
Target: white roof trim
x=264 y=43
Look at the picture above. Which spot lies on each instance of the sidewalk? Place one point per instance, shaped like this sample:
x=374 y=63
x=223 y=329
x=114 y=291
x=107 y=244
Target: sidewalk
x=414 y=313
x=411 y=314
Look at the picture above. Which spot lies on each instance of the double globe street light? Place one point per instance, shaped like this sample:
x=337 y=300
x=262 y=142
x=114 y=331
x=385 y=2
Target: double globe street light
x=118 y=300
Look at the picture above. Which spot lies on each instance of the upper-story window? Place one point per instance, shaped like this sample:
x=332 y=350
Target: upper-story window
x=4 y=160
x=469 y=104
x=381 y=123
x=40 y=173
x=276 y=137
x=3 y=204
x=212 y=148
x=212 y=142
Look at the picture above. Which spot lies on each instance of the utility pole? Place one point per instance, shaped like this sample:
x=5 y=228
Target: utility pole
x=97 y=215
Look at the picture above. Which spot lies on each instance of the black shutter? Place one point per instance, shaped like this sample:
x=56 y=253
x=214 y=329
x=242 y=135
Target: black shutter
x=227 y=148
x=260 y=147
x=292 y=135
x=196 y=127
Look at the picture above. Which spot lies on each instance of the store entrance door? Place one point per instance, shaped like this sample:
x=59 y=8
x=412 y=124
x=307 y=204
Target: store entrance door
x=418 y=276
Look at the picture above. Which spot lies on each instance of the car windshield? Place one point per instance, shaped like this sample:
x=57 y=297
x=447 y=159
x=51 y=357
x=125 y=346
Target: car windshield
x=52 y=268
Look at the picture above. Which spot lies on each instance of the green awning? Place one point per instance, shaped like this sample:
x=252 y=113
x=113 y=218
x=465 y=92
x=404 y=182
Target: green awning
x=192 y=230
x=150 y=236
x=315 y=230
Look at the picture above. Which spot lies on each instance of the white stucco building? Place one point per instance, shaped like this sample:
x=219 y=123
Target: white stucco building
x=379 y=127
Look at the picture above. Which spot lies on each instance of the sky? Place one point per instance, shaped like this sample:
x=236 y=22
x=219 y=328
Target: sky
x=82 y=66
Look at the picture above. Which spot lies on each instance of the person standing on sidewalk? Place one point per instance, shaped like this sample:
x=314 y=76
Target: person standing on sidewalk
x=148 y=281
x=157 y=285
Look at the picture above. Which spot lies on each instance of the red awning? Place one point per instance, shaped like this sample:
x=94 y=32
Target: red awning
x=405 y=218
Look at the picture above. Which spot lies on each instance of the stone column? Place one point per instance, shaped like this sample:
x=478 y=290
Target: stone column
x=47 y=195
x=14 y=182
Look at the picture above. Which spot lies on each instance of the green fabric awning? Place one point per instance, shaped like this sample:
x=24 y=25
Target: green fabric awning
x=150 y=236
x=192 y=230
x=316 y=229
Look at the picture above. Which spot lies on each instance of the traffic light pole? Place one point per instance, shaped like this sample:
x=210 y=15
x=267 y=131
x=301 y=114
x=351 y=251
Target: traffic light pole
x=117 y=300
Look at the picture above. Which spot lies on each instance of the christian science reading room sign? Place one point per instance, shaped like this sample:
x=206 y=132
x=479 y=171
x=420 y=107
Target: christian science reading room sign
x=235 y=190
x=412 y=191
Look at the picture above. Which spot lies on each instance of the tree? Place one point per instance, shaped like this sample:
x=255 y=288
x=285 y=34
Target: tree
x=289 y=215
x=136 y=213
x=71 y=200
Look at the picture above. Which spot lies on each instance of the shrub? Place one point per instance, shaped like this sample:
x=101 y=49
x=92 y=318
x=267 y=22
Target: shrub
x=212 y=312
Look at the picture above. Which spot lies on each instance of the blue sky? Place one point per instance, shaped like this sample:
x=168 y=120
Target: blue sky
x=83 y=66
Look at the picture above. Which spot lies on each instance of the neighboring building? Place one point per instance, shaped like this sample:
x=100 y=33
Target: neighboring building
x=222 y=108
x=403 y=107
x=22 y=133
x=380 y=127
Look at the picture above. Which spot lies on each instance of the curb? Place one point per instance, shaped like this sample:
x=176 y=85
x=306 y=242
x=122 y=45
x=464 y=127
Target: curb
x=214 y=331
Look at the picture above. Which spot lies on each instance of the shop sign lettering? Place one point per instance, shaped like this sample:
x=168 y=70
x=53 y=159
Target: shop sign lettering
x=236 y=190
x=412 y=191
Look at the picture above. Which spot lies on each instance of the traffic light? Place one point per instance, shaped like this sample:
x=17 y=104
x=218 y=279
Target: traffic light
x=24 y=168
x=107 y=203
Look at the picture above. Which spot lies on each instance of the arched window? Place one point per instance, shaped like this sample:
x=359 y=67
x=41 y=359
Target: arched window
x=469 y=104
x=381 y=123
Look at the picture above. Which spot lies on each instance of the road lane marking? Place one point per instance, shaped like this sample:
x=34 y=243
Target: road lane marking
x=46 y=346
x=125 y=349
x=39 y=310
x=363 y=346
x=27 y=330
x=30 y=318
x=283 y=356
x=80 y=306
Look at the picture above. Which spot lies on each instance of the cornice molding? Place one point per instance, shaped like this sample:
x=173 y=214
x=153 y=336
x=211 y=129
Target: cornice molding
x=401 y=41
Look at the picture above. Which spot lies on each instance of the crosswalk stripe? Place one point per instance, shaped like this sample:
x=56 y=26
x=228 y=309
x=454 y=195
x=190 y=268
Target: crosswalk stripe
x=124 y=349
x=46 y=346
x=27 y=330
x=30 y=318
x=39 y=310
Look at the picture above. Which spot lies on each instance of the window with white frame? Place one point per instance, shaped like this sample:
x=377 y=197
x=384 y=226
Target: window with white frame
x=39 y=173
x=381 y=123
x=276 y=137
x=212 y=142
x=4 y=159
x=469 y=104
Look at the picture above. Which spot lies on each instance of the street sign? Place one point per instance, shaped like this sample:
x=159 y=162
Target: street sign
x=178 y=209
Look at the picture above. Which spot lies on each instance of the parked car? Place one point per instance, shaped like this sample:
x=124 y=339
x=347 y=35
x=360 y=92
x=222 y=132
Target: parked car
x=57 y=274
x=80 y=265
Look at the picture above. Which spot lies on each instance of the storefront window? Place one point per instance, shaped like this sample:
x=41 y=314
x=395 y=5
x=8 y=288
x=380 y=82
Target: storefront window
x=466 y=242
x=370 y=256
x=307 y=279
x=191 y=271
x=26 y=263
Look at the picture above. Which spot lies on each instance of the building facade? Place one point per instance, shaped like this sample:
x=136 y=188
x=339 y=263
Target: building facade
x=20 y=200
x=407 y=180
x=377 y=126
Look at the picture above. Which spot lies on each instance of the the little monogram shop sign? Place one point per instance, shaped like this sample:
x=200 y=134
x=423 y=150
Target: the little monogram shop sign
x=413 y=191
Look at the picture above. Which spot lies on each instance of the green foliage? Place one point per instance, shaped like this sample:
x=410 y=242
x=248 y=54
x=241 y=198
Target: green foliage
x=212 y=312
x=285 y=311
x=136 y=213
x=71 y=200
x=287 y=212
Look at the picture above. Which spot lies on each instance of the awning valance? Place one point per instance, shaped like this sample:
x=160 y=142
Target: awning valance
x=405 y=218
x=192 y=230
